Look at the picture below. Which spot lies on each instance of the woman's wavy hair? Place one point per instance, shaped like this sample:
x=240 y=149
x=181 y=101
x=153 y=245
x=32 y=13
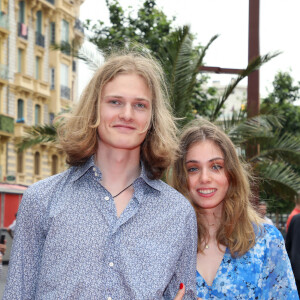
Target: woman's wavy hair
x=78 y=131
x=239 y=221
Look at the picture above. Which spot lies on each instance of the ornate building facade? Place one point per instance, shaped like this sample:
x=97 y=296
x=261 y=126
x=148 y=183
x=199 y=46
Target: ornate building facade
x=36 y=82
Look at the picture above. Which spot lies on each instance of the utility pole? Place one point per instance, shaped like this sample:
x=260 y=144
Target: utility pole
x=253 y=52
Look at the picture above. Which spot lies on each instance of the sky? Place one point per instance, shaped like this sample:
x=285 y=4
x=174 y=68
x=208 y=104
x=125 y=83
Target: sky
x=279 y=31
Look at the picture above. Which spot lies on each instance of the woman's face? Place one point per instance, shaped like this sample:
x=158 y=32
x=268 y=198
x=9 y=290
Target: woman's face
x=207 y=178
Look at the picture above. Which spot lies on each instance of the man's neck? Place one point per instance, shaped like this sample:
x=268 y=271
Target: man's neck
x=119 y=167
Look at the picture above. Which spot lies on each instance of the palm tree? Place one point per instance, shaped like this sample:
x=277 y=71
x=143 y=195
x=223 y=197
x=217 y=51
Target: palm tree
x=273 y=165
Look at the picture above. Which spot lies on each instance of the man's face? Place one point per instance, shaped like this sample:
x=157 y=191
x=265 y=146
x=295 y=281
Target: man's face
x=262 y=210
x=125 y=112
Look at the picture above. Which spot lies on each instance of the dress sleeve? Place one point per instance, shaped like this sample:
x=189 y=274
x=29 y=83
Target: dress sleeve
x=27 y=248
x=186 y=266
x=277 y=277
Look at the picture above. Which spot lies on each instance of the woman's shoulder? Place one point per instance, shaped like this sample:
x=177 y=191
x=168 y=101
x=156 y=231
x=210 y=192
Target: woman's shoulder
x=268 y=235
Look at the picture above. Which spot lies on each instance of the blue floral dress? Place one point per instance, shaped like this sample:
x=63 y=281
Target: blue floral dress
x=264 y=272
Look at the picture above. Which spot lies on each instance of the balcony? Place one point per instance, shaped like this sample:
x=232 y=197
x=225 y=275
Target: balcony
x=22 y=31
x=51 y=1
x=78 y=26
x=4 y=21
x=6 y=125
x=41 y=88
x=3 y=72
x=39 y=39
x=24 y=81
x=65 y=92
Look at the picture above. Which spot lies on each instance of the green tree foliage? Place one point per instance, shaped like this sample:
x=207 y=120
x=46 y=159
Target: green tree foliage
x=281 y=101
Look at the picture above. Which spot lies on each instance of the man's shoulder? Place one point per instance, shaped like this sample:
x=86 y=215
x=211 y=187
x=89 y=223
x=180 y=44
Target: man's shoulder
x=45 y=186
x=174 y=197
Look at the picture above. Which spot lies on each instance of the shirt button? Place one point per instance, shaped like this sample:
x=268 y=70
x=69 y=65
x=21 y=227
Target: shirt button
x=96 y=174
x=94 y=169
x=106 y=198
x=111 y=264
x=109 y=298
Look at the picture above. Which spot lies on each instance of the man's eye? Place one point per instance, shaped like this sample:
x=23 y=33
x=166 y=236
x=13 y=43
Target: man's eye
x=140 y=105
x=115 y=102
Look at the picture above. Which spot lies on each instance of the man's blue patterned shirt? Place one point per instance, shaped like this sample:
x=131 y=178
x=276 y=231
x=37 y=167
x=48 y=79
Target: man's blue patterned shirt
x=70 y=244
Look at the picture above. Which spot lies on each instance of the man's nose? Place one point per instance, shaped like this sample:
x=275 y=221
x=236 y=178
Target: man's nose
x=126 y=112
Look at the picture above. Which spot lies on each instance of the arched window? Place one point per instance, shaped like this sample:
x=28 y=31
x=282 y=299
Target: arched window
x=37 y=163
x=37 y=114
x=20 y=117
x=54 y=165
x=20 y=162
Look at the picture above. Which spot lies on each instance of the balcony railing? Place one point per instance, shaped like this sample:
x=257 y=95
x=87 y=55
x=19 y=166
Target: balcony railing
x=78 y=25
x=39 y=39
x=65 y=92
x=4 y=72
x=6 y=124
x=22 y=30
x=50 y=1
x=3 y=20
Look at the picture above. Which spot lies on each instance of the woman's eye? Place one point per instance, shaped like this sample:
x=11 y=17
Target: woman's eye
x=217 y=167
x=192 y=169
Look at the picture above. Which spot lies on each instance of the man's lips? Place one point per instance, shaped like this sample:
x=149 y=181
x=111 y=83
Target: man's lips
x=124 y=126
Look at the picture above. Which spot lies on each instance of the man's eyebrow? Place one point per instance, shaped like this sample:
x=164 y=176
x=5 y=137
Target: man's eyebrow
x=121 y=97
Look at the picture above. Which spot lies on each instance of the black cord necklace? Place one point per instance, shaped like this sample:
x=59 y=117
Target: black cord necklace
x=123 y=190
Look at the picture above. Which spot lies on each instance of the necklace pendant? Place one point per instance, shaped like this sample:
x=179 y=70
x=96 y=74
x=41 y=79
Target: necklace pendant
x=206 y=246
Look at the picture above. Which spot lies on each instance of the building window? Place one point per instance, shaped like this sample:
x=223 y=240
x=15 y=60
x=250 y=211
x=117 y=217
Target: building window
x=20 y=160
x=20 y=117
x=64 y=82
x=52 y=33
x=64 y=31
x=52 y=78
x=37 y=68
x=51 y=118
x=54 y=165
x=37 y=114
x=37 y=163
x=22 y=12
x=39 y=21
x=39 y=38
x=20 y=60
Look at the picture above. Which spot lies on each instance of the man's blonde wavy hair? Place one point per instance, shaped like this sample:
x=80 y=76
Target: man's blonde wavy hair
x=78 y=131
x=239 y=221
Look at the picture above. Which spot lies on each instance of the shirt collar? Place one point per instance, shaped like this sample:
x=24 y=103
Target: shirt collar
x=90 y=163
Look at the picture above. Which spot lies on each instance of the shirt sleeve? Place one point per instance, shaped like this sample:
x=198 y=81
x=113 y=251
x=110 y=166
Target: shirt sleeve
x=26 y=251
x=186 y=266
x=277 y=277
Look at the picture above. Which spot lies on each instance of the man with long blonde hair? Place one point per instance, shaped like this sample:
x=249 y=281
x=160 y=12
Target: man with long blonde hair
x=108 y=227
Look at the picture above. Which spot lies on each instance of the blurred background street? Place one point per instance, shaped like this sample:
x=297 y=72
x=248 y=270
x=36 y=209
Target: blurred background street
x=3 y=279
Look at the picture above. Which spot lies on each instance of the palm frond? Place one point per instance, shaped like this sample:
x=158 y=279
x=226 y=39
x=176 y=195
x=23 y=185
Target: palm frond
x=37 y=135
x=252 y=66
x=279 y=177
